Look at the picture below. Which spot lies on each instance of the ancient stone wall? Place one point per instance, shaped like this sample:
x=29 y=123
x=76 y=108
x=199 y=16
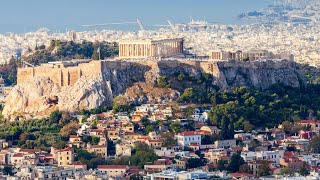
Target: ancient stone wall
x=122 y=74
x=63 y=76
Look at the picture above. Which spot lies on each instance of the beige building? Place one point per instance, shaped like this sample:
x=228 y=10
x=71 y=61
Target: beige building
x=150 y=48
x=113 y=170
x=124 y=149
x=63 y=157
x=100 y=150
x=225 y=143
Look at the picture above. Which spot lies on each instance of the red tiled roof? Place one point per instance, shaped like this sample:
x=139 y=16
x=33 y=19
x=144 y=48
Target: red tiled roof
x=241 y=175
x=78 y=163
x=73 y=136
x=96 y=130
x=101 y=122
x=49 y=156
x=134 y=171
x=30 y=150
x=194 y=144
x=18 y=155
x=112 y=167
x=308 y=121
x=65 y=149
x=101 y=115
x=225 y=157
x=189 y=133
x=288 y=154
x=154 y=140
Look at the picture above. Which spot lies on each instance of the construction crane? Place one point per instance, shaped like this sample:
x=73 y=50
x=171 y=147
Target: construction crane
x=169 y=25
x=118 y=23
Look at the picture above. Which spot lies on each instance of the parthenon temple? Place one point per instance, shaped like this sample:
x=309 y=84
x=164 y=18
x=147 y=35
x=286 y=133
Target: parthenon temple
x=150 y=48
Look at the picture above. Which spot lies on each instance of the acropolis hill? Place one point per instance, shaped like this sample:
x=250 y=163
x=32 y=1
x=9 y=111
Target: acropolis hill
x=85 y=84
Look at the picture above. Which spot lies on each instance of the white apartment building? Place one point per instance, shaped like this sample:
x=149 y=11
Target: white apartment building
x=263 y=155
x=188 y=137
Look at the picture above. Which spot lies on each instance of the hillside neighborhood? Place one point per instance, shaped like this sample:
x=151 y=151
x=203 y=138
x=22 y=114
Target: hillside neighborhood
x=149 y=142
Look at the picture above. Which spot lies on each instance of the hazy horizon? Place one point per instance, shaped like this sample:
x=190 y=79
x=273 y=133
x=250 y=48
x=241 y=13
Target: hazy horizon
x=23 y=16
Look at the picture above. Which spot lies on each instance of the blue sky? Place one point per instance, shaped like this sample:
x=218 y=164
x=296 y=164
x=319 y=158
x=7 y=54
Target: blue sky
x=26 y=15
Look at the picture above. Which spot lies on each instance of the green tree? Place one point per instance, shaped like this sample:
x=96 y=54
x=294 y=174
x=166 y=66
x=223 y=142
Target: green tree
x=149 y=129
x=7 y=170
x=286 y=127
x=222 y=165
x=145 y=121
x=69 y=129
x=168 y=139
x=264 y=169
x=235 y=162
x=209 y=139
x=95 y=140
x=180 y=77
x=163 y=82
x=60 y=144
x=247 y=126
x=175 y=127
x=188 y=94
x=315 y=144
x=195 y=163
x=24 y=136
x=303 y=171
x=255 y=143
x=244 y=168
x=287 y=170
x=55 y=117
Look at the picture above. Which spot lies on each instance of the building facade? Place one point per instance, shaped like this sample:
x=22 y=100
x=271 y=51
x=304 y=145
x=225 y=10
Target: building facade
x=188 y=137
x=248 y=55
x=150 y=48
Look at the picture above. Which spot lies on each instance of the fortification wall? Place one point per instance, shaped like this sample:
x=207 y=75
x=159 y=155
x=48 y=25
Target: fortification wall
x=63 y=76
x=67 y=76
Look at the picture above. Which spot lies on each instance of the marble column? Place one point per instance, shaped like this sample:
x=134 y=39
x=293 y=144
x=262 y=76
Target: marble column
x=177 y=47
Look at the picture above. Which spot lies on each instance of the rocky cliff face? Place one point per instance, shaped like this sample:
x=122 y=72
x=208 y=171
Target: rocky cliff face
x=259 y=74
x=133 y=81
x=40 y=96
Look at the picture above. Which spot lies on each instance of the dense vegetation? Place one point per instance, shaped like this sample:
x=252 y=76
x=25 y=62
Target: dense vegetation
x=195 y=89
x=141 y=155
x=62 y=50
x=39 y=133
x=244 y=108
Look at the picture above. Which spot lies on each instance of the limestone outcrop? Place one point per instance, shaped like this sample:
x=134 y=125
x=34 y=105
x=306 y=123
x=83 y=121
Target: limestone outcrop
x=141 y=93
x=40 y=96
x=41 y=90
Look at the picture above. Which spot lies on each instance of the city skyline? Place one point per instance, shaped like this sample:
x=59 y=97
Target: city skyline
x=59 y=15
